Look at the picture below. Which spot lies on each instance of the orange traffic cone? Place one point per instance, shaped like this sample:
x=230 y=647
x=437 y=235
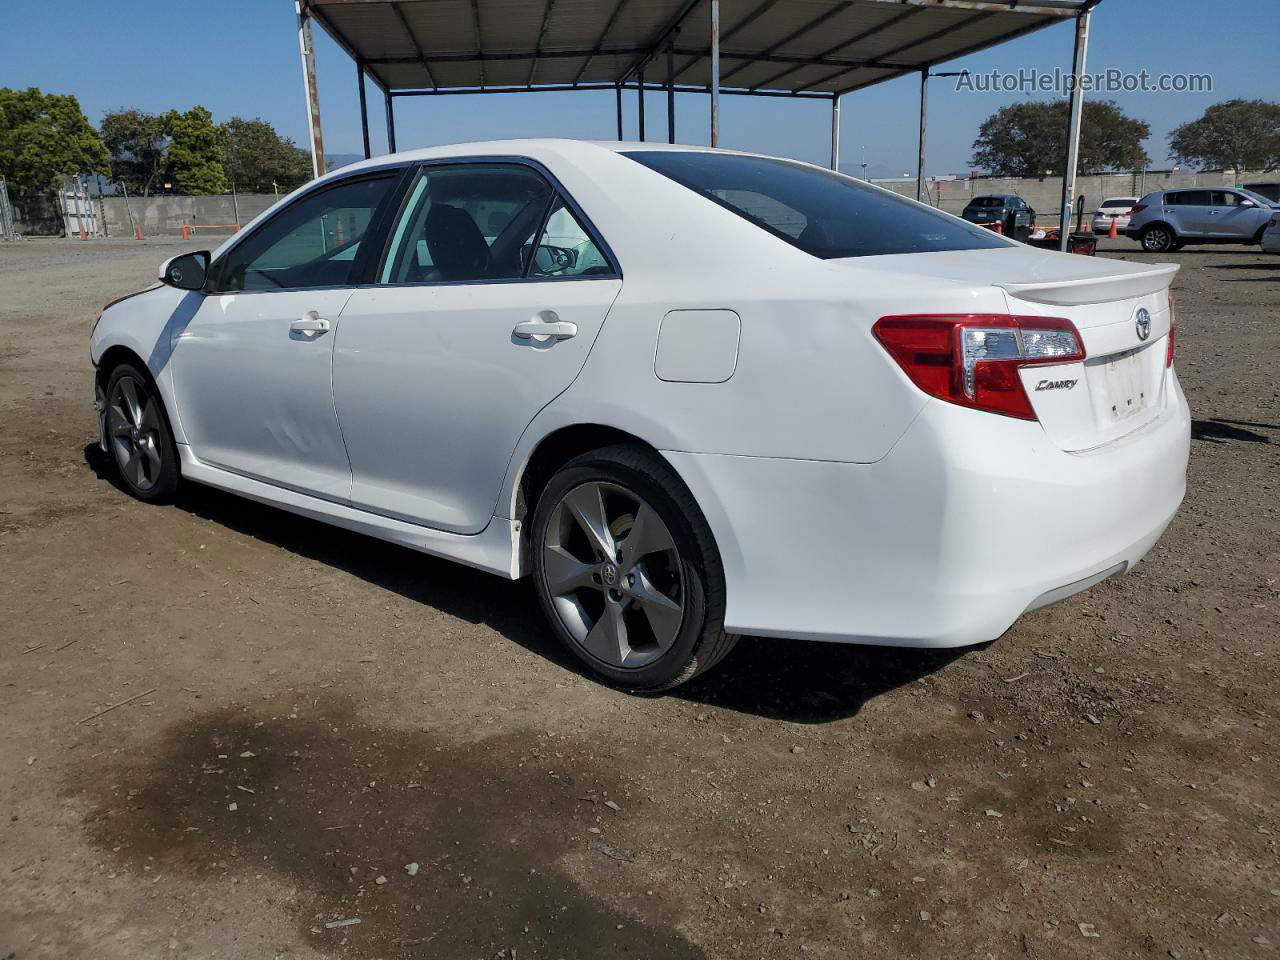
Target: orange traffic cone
x=1112 y=233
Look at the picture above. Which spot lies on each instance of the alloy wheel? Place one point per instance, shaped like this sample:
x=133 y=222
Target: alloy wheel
x=1157 y=240
x=133 y=431
x=614 y=575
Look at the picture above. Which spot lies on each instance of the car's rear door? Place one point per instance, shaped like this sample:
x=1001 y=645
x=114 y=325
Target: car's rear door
x=1191 y=212
x=485 y=306
x=253 y=364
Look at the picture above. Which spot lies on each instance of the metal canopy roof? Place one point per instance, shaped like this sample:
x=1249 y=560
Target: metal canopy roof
x=796 y=47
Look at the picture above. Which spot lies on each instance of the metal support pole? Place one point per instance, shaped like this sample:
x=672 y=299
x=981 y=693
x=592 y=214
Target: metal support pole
x=1073 y=127
x=671 y=91
x=715 y=73
x=391 y=122
x=835 y=133
x=924 y=104
x=617 y=89
x=640 y=101
x=308 y=56
x=364 y=109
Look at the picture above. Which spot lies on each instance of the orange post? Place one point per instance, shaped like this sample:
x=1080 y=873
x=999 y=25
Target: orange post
x=139 y=231
x=186 y=232
x=1000 y=228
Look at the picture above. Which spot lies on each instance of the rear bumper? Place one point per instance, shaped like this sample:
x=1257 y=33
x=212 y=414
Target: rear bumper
x=970 y=521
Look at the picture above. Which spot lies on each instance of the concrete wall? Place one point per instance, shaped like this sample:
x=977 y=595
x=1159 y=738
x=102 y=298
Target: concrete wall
x=164 y=216
x=1045 y=195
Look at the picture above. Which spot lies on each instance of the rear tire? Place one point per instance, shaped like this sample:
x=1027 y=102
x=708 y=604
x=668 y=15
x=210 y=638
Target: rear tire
x=1158 y=238
x=138 y=436
x=627 y=571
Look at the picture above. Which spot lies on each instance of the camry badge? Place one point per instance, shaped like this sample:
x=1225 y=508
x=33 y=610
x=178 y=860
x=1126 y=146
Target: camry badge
x=1143 y=322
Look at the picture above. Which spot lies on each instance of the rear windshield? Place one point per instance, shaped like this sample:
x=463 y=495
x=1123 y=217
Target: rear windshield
x=1118 y=203
x=823 y=213
x=987 y=202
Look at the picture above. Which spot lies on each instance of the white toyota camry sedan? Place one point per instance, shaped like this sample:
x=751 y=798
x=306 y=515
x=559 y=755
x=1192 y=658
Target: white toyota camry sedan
x=693 y=393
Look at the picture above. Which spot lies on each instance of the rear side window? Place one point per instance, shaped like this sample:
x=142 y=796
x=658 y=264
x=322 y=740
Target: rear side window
x=467 y=222
x=824 y=214
x=1188 y=198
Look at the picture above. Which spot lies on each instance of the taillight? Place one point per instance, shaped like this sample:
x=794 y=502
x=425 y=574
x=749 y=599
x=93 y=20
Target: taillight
x=1168 y=350
x=1137 y=208
x=973 y=359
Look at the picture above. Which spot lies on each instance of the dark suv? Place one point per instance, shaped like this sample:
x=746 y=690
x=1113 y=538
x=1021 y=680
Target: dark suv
x=1007 y=209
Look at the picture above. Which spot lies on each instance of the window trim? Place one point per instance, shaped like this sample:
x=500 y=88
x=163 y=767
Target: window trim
x=557 y=191
x=359 y=264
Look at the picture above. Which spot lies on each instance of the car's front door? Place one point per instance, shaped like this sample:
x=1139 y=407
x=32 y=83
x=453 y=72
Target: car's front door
x=1234 y=220
x=489 y=298
x=253 y=365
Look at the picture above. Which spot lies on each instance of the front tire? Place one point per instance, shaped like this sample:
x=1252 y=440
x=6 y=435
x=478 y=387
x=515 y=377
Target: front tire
x=138 y=436
x=627 y=571
x=1158 y=238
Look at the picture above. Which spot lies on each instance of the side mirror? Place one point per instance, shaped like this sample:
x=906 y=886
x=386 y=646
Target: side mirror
x=187 y=271
x=1247 y=203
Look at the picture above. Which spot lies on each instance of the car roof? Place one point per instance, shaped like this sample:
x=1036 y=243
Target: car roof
x=533 y=148
x=1109 y=199
x=996 y=196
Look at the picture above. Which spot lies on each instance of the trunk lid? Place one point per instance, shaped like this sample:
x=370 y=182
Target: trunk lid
x=1119 y=387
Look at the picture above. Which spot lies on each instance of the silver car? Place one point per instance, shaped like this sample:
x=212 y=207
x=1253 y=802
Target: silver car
x=1169 y=219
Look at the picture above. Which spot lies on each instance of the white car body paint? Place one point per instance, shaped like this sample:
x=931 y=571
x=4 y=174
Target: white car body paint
x=1271 y=236
x=846 y=503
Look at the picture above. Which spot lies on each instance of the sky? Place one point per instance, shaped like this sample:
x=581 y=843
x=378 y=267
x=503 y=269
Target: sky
x=240 y=58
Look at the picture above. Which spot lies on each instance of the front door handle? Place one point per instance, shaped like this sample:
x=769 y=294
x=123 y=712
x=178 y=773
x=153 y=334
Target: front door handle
x=310 y=324
x=545 y=330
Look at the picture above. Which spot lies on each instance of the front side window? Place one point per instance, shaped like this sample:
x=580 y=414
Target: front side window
x=473 y=221
x=311 y=243
x=823 y=213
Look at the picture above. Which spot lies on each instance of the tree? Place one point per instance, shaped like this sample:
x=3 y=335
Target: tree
x=1026 y=139
x=138 y=143
x=43 y=138
x=193 y=157
x=1235 y=134
x=255 y=157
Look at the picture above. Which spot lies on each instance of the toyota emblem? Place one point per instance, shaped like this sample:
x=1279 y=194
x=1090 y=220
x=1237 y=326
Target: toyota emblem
x=1143 y=323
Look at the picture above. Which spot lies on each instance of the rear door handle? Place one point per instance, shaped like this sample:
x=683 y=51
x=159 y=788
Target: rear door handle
x=545 y=330
x=310 y=324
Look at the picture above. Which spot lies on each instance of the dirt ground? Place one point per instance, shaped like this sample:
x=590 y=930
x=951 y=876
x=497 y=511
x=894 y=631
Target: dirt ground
x=311 y=712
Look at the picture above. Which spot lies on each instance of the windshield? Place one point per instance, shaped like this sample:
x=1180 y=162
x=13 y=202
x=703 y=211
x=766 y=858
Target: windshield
x=823 y=213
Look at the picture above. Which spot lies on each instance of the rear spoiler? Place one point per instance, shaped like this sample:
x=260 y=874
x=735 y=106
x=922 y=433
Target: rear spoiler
x=1074 y=293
